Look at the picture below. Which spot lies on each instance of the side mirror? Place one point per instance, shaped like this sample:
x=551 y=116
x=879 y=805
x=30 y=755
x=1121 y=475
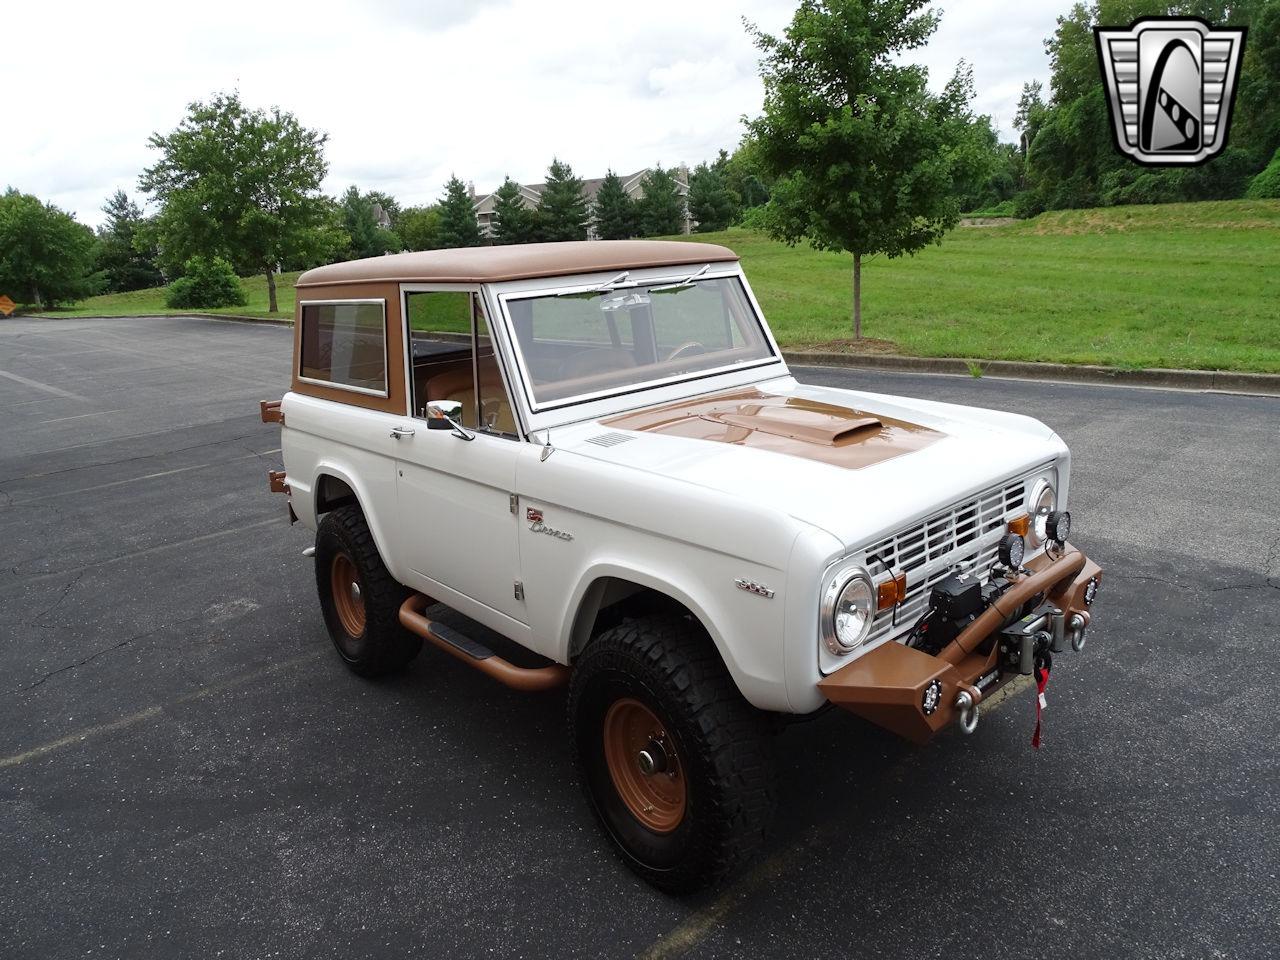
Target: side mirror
x=444 y=415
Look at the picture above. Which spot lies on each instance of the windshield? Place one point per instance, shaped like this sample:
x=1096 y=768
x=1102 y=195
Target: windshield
x=612 y=339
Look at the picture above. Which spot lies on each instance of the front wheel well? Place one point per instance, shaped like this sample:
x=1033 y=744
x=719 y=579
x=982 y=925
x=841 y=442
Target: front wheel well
x=611 y=600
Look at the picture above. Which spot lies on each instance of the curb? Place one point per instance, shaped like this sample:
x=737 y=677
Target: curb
x=1220 y=381
x=236 y=318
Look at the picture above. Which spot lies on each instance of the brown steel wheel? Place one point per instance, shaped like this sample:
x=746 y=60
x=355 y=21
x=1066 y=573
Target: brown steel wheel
x=644 y=765
x=673 y=760
x=348 y=598
x=359 y=598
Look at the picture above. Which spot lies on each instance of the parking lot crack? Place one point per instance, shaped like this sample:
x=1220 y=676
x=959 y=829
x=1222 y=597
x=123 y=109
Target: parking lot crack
x=57 y=603
x=118 y=645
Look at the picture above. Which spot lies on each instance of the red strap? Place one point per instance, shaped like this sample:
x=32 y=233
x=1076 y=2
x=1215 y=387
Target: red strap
x=1042 y=680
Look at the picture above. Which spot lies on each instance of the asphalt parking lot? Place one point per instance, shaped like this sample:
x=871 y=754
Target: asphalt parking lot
x=187 y=770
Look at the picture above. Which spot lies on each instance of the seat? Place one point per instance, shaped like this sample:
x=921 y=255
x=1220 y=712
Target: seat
x=456 y=384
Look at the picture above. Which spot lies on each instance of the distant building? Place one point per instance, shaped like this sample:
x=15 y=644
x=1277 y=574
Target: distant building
x=531 y=194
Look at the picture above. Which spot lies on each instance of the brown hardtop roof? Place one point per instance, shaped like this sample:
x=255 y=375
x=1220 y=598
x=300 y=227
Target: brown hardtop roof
x=516 y=262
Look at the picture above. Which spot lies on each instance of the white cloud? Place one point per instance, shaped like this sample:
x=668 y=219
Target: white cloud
x=410 y=92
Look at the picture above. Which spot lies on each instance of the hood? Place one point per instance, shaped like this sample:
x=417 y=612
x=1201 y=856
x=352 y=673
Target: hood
x=852 y=463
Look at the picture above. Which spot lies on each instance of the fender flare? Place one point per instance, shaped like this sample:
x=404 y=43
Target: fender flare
x=604 y=569
x=363 y=499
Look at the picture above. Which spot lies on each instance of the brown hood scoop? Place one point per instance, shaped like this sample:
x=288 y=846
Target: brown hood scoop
x=795 y=426
x=805 y=420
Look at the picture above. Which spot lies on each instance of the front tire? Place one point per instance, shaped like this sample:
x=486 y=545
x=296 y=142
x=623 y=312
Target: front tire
x=359 y=598
x=673 y=760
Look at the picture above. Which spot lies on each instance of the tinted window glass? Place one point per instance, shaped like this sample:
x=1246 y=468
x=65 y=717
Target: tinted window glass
x=345 y=344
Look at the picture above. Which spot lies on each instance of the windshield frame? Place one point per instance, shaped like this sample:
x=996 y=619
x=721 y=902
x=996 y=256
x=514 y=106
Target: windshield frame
x=524 y=290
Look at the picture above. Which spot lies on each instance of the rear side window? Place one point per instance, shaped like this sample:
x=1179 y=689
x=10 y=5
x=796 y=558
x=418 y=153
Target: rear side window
x=345 y=344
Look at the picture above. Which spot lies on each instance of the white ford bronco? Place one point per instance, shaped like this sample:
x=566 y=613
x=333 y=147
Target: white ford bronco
x=596 y=451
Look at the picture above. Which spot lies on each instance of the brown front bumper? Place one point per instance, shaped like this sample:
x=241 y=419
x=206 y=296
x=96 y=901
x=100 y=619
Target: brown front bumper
x=887 y=685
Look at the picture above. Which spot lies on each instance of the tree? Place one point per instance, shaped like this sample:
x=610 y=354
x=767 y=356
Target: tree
x=744 y=175
x=241 y=184
x=125 y=257
x=615 y=211
x=711 y=202
x=661 y=208
x=1031 y=114
x=360 y=220
x=513 y=221
x=46 y=257
x=419 y=227
x=562 y=210
x=458 y=227
x=867 y=158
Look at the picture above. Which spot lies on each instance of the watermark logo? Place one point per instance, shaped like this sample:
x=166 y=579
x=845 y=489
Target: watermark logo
x=1170 y=85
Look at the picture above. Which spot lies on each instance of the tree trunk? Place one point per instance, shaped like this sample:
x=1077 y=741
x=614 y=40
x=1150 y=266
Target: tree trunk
x=857 y=296
x=271 y=290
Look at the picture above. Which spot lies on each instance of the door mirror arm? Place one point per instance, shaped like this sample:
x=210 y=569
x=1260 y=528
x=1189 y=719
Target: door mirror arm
x=443 y=415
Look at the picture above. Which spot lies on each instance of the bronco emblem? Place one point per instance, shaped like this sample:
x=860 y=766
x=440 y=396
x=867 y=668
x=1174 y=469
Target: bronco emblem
x=534 y=516
x=1170 y=85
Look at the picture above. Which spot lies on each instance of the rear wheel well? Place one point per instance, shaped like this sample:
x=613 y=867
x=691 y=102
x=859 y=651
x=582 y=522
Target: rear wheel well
x=332 y=493
x=611 y=600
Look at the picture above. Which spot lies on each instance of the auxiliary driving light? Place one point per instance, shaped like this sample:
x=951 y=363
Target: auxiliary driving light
x=1057 y=526
x=1012 y=549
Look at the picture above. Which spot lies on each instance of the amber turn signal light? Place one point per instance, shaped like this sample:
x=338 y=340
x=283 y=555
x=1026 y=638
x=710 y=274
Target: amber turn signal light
x=891 y=592
x=1020 y=525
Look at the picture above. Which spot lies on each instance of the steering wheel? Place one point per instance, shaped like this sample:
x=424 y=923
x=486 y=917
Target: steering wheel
x=688 y=347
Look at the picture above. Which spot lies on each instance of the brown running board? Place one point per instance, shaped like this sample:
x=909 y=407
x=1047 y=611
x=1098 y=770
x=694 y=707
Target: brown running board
x=477 y=655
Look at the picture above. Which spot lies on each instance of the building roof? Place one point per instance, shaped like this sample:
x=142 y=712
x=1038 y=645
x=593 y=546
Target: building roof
x=522 y=261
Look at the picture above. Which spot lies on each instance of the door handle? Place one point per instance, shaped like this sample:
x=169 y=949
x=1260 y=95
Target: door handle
x=399 y=432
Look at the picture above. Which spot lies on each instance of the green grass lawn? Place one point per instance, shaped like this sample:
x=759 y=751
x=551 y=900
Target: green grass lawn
x=1180 y=285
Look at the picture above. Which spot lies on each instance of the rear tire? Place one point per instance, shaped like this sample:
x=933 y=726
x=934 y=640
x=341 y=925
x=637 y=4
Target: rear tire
x=673 y=760
x=359 y=598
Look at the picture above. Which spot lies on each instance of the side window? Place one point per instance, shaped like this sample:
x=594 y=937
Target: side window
x=345 y=345
x=452 y=363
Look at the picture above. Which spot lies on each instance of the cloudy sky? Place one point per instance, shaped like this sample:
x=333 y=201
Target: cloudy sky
x=410 y=92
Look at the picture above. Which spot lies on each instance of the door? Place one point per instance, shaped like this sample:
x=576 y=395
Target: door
x=457 y=527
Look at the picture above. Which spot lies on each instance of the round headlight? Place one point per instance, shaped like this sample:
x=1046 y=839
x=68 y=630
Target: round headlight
x=848 y=608
x=1044 y=500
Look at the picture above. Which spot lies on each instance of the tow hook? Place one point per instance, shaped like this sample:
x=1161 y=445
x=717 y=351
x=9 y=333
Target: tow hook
x=1075 y=629
x=966 y=712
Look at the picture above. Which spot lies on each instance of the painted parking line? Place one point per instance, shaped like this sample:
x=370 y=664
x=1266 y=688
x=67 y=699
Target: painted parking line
x=37 y=385
x=146 y=476
x=78 y=416
x=133 y=719
x=685 y=937
x=22 y=582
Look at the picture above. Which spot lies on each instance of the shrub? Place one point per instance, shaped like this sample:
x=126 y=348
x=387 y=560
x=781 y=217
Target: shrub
x=1005 y=208
x=206 y=282
x=1266 y=185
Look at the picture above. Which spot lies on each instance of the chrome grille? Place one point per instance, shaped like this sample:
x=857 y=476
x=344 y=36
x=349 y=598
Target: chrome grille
x=965 y=535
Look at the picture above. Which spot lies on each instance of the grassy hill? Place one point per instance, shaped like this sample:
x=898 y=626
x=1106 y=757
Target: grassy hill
x=1180 y=285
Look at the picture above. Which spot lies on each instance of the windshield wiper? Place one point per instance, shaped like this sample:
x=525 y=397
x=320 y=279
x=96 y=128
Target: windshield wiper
x=682 y=284
x=604 y=287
